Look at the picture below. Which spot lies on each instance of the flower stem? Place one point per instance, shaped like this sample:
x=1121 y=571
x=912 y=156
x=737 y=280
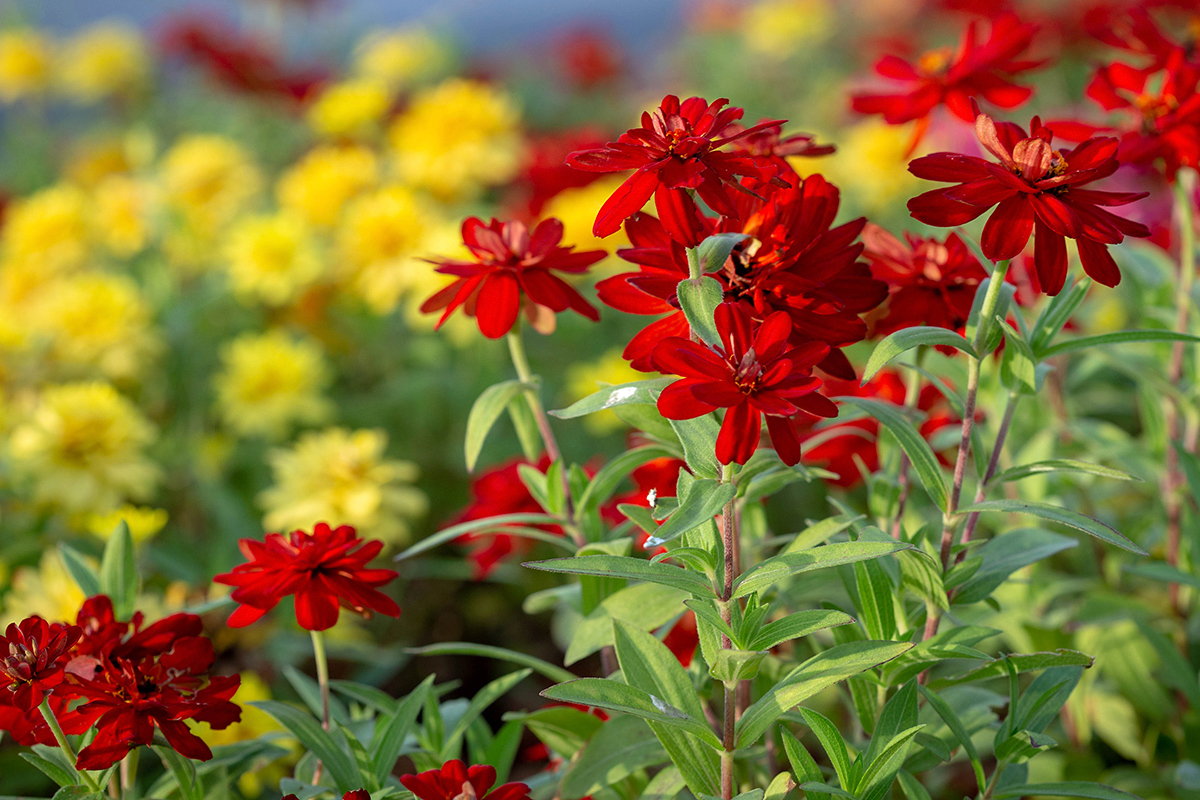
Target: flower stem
x=322 y=661
x=912 y=394
x=729 y=545
x=1172 y=480
x=61 y=738
x=993 y=465
x=516 y=348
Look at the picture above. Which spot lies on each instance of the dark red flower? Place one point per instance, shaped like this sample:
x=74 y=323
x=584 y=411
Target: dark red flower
x=513 y=270
x=28 y=729
x=1132 y=29
x=753 y=374
x=545 y=172
x=945 y=77
x=677 y=148
x=33 y=657
x=127 y=698
x=589 y=58
x=456 y=781
x=931 y=282
x=355 y=794
x=794 y=262
x=323 y=569
x=1034 y=187
x=766 y=144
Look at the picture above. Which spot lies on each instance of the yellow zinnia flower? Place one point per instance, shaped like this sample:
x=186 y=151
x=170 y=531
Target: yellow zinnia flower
x=871 y=164
x=106 y=59
x=143 y=522
x=209 y=180
x=49 y=228
x=350 y=108
x=25 y=57
x=317 y=187
x=270 y=382
x=780 y=28
x=47 y=591
x=457 y=137
x=82 y=446
x=380 y=241
x=402 y=57
x=121 y=211
x=342 y=477
x=271 y=259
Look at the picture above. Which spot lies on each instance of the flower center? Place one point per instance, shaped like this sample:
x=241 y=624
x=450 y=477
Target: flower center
x=748 y=373
x=467 y=793
x=935 y=62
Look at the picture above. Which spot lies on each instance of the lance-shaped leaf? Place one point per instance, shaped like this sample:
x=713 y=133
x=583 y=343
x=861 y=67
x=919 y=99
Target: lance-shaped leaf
x=699 y=298
x=825 y=669
x=635 y=569
x=483 y=415
x=713 y=251
x=118 y=571
x=645 y=392
x=509 y=524
x=323 y=744
x=610 y=476
x=907 y=339
x=615 y=696
x=1119 y=337
x=794 y=626
x=703 y=501
x=1061 y=465
x=698 y=437
x=1094 y=791
x=946 y=712
x=554 y=673
x=776 y=568
x=919 y=453
x=622 y=746
x=1072 y=519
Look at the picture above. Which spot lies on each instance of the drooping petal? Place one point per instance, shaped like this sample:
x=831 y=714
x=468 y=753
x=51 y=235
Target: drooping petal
x=1008 y=229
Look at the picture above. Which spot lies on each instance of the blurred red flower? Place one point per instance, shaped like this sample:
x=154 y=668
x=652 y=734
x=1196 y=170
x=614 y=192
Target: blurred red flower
x=1034 y=187
x=794 y=262
x=323 y=569
x=931 y=282
x=589 y=58
x=752 y=374
x=546 y=173
x=512 y=270
x=456 y=780
x=946 y=77
x=677 y=148
x=33 y=657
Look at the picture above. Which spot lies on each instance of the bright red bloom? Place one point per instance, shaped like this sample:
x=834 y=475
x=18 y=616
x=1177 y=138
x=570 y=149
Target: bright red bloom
x=513 y=270
x=456 y=781
x=752 y=374
x=677 y=148
x=127 y=698
x=932 y=282
x=953 y=79
x=766 y=144
x=1130 y=28
x=589 y=58
x=794 y=262
x=33 y=657
x=1033 y=187
x=323 y=569
x=545 y=172
x=355 y=794
x=26 y=728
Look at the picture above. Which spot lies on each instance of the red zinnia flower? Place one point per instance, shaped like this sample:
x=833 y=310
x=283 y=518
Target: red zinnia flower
x=323 y=569
x=753 y=374
x=545 y=172
x=127 y=698
x=765 y=143
x=677 y=148
x=932 y=282
x=356 y=794
x=943 y=77
x=456 y=781
x=1033 y=187
x=33 y=656
x=794 y=262
x=513 y=269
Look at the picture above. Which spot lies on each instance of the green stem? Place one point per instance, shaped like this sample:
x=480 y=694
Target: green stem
x=912 y=394
x=318 y=643
x=729 y=542
x=61 y=738
x=129 y=766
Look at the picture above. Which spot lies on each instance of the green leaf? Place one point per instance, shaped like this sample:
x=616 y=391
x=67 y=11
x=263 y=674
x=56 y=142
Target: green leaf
x=483 y=415
x=368 y=696
x=776 y=568
x=793 y=626
x=881 y=771
x=647 y=605
x=310 y=693
x=732 y=666
x=551 y=671
x=610 y=476
x=59 y=773
x=79 y=568
x=699 y=298
x=563 y=729
x=804 y=767
x=77 y=793
x=698 y=437
x=919 y=453
x=1095 y=791
x=1022 y=662
x=502 y=523
x=833 y=744
x=703 y=501
x=502 y=751
x=1056 y=315
x=118 y=571
x=389 y=736
x=875 y=606
x=1018 y=365
x=907 y=339
x=614 y=696
x=714 y=250
x=1175 y=670
x=1119 y=337
x=1023 y=745
x=629 y=568
x=1061 y=465
x=622 y=746
x=912 y=787
x=645 y=417
x=647 y=664
x=525 y=424
x=1072 y=519
x=779 y=787
x=479 y=703
x=956 y=726
x=645 y=392
x=322 y=743
x=825 y=669
x=1003 y=555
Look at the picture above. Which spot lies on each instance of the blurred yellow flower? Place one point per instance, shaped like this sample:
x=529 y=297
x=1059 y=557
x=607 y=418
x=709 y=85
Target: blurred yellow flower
x=317 y=187
x=270 y=382
x=350 y=108
x=577 y=208
x=143 y=522
x=209 y=180
x=25 y=59
x=271 y=259
x=46 y=590
x=587 y=377
x=49 y=228
x=457 y=137
x=108 y=58
x=342 y=477
x=780 y=28
x=121 y=211
x=82 y=446
x=381 y=238
x=871 y=165
x=96 y=323
x=402 y=57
